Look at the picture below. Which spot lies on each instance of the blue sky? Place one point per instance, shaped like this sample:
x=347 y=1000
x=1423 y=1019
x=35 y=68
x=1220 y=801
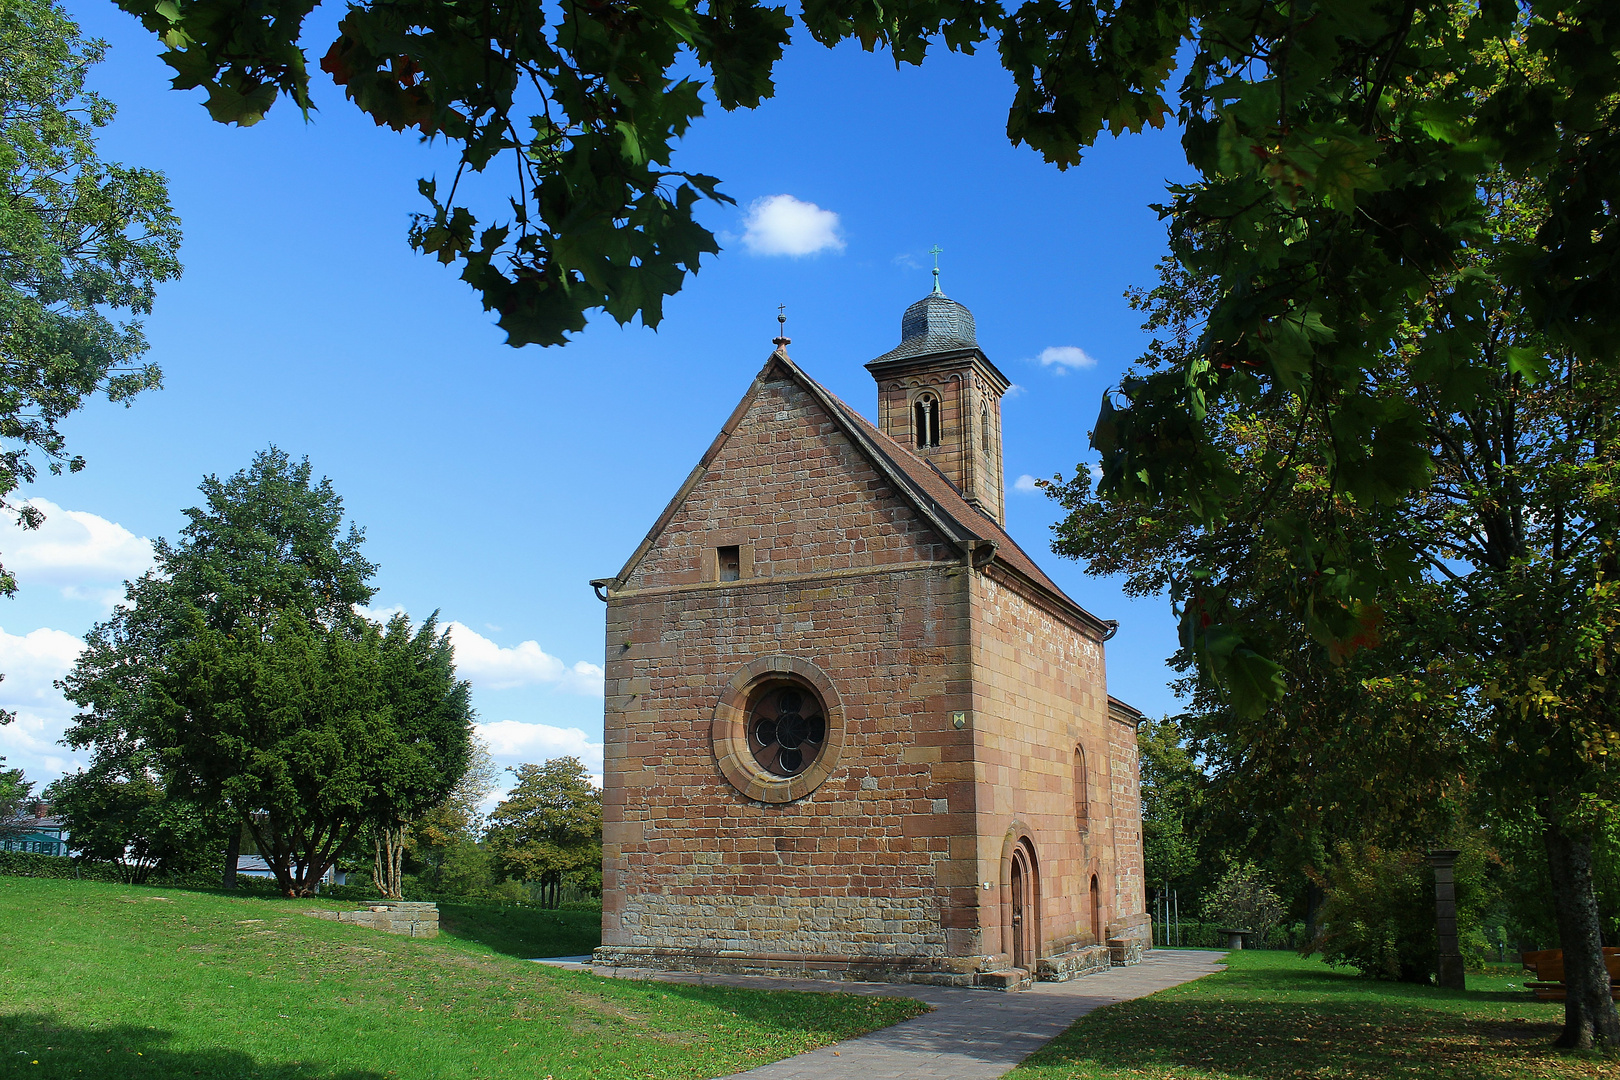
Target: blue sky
x=493 y=483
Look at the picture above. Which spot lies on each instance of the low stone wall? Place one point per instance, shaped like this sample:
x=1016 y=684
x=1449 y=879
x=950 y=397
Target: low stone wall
x=1123 y=952
x=408 y=917
x=1085 y=960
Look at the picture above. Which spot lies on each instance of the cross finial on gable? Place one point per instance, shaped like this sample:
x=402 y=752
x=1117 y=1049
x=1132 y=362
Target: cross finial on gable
x=781 y=340
x=934 y=251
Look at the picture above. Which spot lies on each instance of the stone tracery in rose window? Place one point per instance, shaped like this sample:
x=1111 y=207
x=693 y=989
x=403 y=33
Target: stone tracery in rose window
x=787 y=728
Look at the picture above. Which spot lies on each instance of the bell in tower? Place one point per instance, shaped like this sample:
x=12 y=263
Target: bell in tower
x=941 y=396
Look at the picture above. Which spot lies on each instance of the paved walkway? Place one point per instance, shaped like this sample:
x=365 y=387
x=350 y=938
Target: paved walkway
x=970 y=1034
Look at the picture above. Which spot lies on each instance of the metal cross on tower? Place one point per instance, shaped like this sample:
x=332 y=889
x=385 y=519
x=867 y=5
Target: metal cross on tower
x=934 y=251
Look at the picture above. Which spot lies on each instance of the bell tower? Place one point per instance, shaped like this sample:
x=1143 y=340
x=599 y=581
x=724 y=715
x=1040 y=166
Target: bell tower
x=940 y=396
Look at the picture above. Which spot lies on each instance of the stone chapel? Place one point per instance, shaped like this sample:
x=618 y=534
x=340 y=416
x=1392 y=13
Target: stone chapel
x=852 y=730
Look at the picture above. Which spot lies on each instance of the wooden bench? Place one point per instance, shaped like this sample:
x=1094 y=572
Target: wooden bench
x=1547 y=966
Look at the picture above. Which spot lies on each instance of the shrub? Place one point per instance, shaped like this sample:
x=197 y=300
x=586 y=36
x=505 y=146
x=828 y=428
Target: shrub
x=1379 y=914
x=1244 y=899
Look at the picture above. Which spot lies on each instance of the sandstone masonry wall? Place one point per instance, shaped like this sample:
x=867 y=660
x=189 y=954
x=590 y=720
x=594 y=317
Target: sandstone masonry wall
x=1039 y=692
x=842 y=575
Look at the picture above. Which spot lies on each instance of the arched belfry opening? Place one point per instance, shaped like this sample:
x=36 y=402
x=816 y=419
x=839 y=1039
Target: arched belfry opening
x=925 y=422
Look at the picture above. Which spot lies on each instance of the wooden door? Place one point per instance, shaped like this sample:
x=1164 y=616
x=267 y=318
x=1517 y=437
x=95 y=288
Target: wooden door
x=1019 y=952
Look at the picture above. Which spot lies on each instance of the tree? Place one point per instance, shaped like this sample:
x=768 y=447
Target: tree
x=318 y=732
x=15 y=791
x=442 y=845
x=1379 y=916
x=1481 y=664
x=1294 y=114
x=548 y=829
x=82 y=241
x=129 y=820
x=456 y=791
x=1244 y=899
x=1171 y=785
x=267 y=540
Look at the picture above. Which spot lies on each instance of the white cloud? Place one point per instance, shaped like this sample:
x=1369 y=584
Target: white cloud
x=782 y=225
x=83 y=555
x=490 y=666
x=32 y=662
x=515 y=741
x=1014 y=390
x=381 y=615
x=1026 y=484
x=1064 y=358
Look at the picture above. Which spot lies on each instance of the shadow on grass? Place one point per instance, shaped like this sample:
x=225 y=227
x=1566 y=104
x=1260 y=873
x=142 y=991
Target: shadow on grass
x=36 y=1045
x=528 y=933
x=1397 y=1032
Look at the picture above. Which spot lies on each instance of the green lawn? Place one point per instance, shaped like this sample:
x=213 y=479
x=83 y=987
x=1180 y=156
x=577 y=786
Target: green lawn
x=1274 y=1015
x=115 y=981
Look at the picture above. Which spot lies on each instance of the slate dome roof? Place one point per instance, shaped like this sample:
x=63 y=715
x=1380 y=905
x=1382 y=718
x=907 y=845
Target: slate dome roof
x=934 y=324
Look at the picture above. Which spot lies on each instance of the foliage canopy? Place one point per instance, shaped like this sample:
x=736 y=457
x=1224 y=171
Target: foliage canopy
x=238 y=675
x=83 y=242
x=548 y=829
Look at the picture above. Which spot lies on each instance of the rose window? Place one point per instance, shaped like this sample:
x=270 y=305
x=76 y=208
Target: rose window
x=786 y=730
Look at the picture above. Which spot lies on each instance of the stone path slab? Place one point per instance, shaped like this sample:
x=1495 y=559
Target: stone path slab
x=970 y=1034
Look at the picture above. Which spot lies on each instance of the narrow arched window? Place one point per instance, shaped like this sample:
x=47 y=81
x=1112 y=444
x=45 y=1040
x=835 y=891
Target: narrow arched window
x=1082 y=790
x=984 y=428
x=925 y=419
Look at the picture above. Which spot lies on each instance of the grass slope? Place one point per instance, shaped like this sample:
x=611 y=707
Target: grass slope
x=1274 y=1015
x=115 y=981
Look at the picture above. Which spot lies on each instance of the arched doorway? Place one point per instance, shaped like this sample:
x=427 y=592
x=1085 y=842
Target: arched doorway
x=1096 y=911
x=1023 y=908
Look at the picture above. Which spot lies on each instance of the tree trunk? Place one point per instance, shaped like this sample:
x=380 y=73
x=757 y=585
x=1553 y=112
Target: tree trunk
x=1590 y=1019
x=387 y=867
x=1313 y=911
x=233 y=852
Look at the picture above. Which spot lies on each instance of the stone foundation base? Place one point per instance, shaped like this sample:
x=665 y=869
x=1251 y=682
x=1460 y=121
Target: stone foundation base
x=924 y=970
x=970 y=972
x=1085 y=960
x=406 y=917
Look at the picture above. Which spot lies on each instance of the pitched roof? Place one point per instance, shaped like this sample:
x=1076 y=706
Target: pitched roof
x=933 y=496
x=1126 y=711
x=927 y=487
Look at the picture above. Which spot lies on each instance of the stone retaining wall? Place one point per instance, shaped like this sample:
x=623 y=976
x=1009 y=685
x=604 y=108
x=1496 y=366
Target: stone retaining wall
x=1073 y=964
x=408 y=917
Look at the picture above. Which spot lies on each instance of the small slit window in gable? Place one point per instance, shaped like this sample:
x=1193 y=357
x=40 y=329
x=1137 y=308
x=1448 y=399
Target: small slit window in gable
x=730 y=563
x=925 y=421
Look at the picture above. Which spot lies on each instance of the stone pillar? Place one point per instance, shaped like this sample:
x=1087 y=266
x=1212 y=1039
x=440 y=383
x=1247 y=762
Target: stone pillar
x=1449 y=973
